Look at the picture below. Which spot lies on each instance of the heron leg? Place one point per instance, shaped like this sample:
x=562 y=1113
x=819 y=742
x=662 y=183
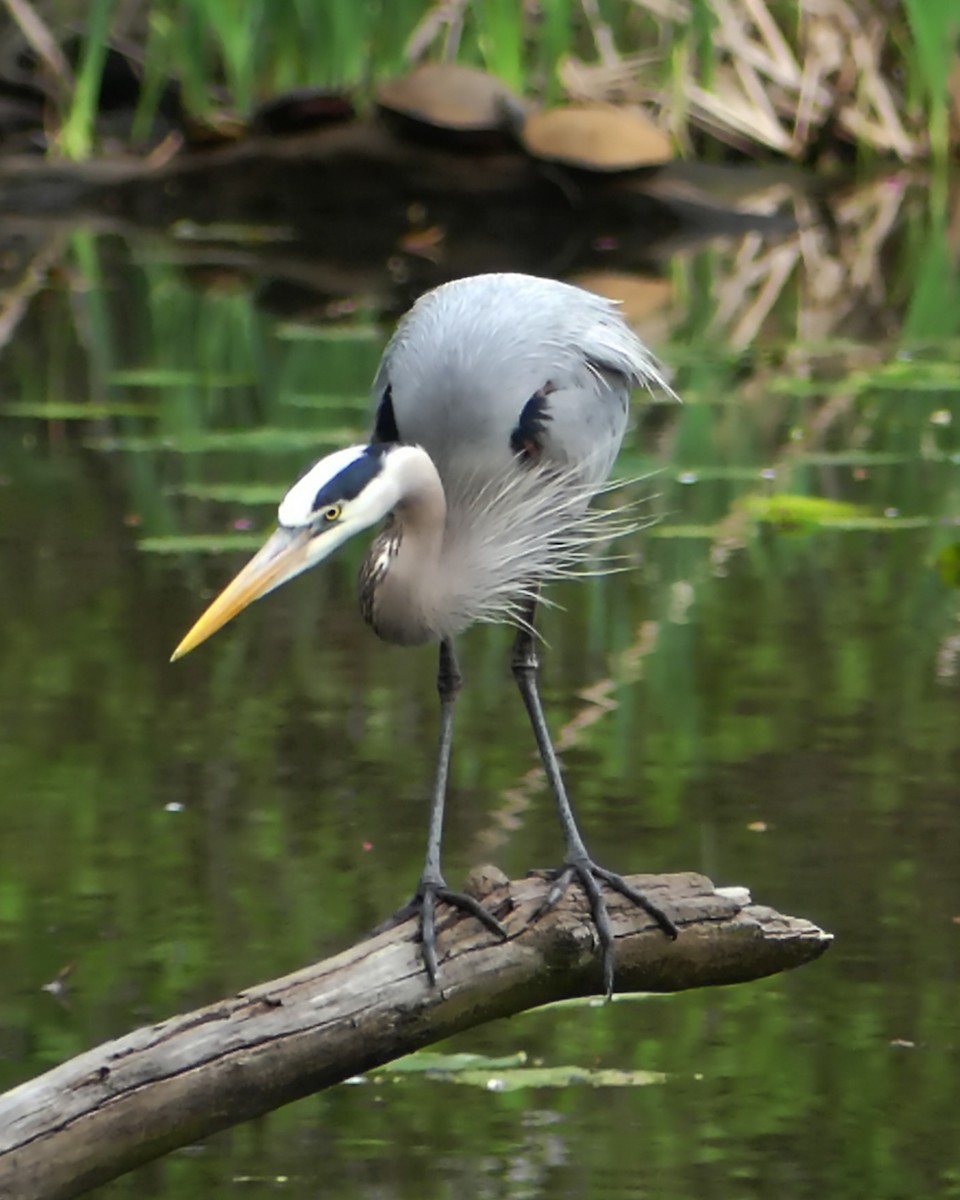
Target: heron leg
x=432 y=886
x=577 y=863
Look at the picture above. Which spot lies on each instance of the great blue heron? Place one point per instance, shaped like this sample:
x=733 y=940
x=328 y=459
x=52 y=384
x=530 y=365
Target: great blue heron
x=501 y=403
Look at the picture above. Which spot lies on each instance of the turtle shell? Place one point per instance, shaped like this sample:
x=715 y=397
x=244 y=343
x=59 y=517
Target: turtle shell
x=449 y=102
x=596 y=137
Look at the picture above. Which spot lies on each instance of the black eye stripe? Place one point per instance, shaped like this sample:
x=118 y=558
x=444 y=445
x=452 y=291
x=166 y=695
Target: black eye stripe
x=350 y=482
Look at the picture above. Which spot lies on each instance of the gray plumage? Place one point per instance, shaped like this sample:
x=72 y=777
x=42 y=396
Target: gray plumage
x=501 y=401
x=470 y=354
x=458 y=374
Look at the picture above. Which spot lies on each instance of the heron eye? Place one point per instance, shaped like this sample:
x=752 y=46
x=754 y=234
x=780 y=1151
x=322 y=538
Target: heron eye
x=332 y=512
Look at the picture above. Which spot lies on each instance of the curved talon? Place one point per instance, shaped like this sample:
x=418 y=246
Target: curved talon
x=590 y=875
x=424 y=902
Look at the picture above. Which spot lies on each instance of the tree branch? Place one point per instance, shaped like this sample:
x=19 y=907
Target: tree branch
x=163 y=1086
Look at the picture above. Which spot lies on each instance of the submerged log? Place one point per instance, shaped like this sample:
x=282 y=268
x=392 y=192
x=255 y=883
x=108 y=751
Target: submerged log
x=166 y=1085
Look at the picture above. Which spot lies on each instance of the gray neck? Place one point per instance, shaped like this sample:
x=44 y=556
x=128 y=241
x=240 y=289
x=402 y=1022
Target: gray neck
x=401 y=581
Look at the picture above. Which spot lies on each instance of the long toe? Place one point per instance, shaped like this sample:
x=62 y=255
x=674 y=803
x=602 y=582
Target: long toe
x=424 y=905
x=590 y=876
x=473 y=908
x=428 y=928
x=640 y=899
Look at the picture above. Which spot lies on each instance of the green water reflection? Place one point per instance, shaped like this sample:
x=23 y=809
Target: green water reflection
x=779 y=709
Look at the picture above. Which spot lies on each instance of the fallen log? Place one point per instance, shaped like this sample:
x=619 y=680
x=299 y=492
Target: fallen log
x=166 y=1085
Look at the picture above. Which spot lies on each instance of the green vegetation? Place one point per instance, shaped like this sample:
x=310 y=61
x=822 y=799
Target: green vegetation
x=770 y=697
x=932 y=51
x=77 y=131
x=761 y=75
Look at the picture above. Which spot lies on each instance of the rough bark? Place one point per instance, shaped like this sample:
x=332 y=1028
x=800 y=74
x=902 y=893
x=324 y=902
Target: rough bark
x=168 y=1084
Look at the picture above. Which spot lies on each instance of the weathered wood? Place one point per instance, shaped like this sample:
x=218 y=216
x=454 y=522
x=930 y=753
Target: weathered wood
x=168 y=1084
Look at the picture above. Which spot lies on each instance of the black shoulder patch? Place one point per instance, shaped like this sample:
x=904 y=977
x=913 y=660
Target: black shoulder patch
x=351 y=481
x=385 y=422
x=526 y=440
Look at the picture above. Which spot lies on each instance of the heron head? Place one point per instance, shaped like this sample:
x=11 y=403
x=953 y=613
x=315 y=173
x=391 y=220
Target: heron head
x=340 y=495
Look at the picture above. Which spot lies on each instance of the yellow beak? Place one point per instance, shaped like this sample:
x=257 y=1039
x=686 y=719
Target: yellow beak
x=282 y=556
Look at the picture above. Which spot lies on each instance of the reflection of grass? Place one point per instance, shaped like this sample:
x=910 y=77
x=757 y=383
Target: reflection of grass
x=233 y=493
x=267 y=440
x=217 y=412
x=210 y=412
x=177 y=833
x=201 y=543
x=67 y=410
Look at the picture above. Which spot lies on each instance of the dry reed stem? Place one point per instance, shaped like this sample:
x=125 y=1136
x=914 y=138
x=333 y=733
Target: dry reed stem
x=43 y=43
x=765 y=84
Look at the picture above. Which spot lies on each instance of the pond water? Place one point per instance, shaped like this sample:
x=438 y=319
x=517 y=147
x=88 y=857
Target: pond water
x=781 y=712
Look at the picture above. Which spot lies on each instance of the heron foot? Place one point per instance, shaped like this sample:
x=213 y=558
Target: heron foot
x=590 y=876
x=424 y=904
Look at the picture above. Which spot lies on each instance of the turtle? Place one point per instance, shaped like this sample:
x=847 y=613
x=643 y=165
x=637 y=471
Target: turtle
x=603 y=138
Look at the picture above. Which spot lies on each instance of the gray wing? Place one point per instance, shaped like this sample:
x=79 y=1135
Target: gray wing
x=484 y=367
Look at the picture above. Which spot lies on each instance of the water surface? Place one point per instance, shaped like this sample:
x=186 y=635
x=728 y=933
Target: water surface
x=780 y=712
